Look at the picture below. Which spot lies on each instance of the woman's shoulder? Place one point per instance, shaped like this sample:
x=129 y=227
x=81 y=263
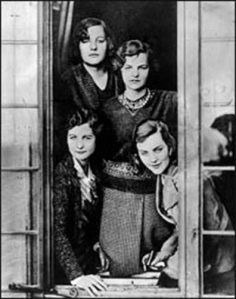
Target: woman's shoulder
x=165 y=94
x=73 y=70
x=112 y=103
x=64 y=166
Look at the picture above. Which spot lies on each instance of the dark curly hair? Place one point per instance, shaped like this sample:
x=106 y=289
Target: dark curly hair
x=82 y=116
x=80 y=33
x=145 y=129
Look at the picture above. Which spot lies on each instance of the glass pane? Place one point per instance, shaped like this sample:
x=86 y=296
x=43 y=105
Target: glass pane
x=20 y=138
x=15 y=201
x=19 y=20
x=13 y=257
x=219 y=200
x=219 y=259
x=19 y=252
x=218 y=73
x=19 y=74
x=217 y=18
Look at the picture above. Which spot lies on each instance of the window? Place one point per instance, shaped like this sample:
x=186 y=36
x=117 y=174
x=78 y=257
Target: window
x=22 y=151
x=205 y=85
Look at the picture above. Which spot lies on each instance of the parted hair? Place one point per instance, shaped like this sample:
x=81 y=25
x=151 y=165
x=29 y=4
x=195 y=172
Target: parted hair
x=82 y=116
x=80 y=34
x=147 y=128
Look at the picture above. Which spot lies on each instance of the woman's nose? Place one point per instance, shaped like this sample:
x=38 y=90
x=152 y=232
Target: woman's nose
x=80 y=144
x=135 y=72
x=153 y=158
x=93 y=45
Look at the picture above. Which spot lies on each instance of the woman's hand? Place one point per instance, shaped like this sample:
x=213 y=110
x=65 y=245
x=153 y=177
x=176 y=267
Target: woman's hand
x=91 y=283
x=155 y=260
x=104 y=260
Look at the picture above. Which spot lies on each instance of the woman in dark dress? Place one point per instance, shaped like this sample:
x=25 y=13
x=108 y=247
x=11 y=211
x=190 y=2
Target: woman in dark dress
x=131 y=226
x=92 y=79
x=77 y=204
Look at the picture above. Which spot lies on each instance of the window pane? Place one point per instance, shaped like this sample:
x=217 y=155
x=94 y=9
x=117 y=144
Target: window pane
x=20 y=20
x=20 y=138
x=13 y=257
x=15 y=201
x=18 y=251
x=219 y=259
x=217 y=18
x=219 y=200
x=19 y=74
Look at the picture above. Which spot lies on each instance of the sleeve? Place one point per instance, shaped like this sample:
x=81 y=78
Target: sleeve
x=171 y=244
x=172 y=209
x=70 y=84
x=165 y=109
x=170 y=111
x=63 y=248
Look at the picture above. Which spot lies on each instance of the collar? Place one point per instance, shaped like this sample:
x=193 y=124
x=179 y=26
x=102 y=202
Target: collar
x=80 y=172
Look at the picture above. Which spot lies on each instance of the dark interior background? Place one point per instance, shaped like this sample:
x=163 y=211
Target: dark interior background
x=152 y=21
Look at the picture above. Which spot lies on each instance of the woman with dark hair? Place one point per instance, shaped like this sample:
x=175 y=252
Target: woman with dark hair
x=155 y=149
x=129 y=218
x=92 y=78
x=77 y=204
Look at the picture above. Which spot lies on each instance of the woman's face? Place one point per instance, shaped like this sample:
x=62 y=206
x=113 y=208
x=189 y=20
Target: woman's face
x=154 y=153
x=81 y=142
x=93 y=49
x=135 y=71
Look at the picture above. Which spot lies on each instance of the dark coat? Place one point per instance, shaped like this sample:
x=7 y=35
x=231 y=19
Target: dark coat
x=76 y=229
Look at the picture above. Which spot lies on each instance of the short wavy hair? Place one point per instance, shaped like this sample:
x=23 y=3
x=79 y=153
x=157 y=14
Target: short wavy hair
x=80 y=33
x=145 y=129
x=134 y=47
x=82 y=116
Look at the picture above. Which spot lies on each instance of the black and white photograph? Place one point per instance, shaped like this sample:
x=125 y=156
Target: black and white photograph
x=118 y=149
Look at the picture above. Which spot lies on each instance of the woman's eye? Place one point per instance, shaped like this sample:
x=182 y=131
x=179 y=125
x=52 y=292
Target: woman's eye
x=101 y=40
x=88 y=137
x=85 y=40
x=144 y=67
x=143 y=153
x=159 y=149
x=72 y=137
x=127 y=67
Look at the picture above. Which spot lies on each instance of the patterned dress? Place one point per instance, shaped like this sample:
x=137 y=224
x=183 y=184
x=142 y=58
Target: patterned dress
x=131 y=225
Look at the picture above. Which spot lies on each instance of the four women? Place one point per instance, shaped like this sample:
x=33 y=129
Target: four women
x=137 y=223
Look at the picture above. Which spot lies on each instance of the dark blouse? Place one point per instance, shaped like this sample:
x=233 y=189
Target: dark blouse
x=84 y=90
x=76 y=229
x=120 y=123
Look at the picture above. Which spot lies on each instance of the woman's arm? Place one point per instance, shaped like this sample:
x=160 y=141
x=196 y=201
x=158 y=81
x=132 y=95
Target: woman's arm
x=63 y=249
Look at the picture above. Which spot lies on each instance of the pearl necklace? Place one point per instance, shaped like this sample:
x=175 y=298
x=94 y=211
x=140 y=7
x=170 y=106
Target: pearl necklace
x=133 y=106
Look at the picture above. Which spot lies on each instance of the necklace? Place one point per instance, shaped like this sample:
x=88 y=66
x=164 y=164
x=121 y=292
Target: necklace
x=133 y=106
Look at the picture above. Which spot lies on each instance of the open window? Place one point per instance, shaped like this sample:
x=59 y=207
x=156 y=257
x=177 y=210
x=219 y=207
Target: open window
x=195 y=45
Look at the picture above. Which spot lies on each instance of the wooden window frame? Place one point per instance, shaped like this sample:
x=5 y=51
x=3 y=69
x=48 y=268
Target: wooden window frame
x=188 y=147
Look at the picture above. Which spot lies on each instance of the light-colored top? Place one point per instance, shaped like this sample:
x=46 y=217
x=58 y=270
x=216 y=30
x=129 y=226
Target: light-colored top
x=87 y=182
